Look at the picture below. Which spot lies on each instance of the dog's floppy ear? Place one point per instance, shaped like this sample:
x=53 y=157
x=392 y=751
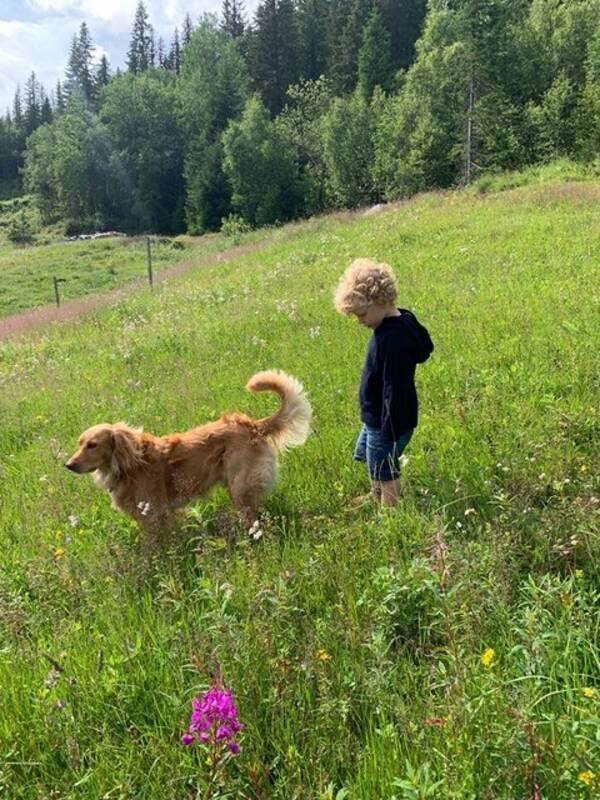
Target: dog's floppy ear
x=127 y=453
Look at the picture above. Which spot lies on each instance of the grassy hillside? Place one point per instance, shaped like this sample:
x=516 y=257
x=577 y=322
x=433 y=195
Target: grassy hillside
x=353 y=640
x=85 y=266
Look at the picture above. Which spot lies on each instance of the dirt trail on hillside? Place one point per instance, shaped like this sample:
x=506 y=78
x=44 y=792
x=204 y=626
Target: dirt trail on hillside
x=16 y=324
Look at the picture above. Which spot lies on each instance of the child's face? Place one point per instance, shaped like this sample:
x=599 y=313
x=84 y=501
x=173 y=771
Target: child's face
x=372 y=317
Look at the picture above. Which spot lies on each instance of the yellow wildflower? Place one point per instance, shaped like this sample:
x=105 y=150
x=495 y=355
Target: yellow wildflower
x=59 y=553
x=579 y=574
x=587 y=777
x=323 y=655
x=487 y=657
x=588 y=691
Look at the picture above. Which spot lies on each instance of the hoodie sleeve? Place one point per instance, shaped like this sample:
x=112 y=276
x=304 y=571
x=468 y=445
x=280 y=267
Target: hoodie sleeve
x=398 y=371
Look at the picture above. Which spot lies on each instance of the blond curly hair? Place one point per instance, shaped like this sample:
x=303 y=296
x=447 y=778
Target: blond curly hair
x=365 y=284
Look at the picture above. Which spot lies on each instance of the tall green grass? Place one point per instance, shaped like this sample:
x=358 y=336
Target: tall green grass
x=353 y=640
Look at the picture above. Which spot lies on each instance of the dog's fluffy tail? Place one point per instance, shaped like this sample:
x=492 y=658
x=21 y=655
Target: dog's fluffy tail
x=290 y=425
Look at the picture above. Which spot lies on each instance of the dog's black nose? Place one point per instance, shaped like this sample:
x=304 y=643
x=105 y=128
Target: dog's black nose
x=71 y=467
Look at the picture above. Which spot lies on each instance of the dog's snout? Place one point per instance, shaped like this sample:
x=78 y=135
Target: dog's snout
x=70 y=465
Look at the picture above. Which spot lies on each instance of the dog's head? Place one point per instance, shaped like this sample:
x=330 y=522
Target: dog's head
x=111 y=449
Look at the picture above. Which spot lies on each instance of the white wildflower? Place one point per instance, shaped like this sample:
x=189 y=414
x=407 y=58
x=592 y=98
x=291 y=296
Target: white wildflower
x=256 y=532
x=73 y=520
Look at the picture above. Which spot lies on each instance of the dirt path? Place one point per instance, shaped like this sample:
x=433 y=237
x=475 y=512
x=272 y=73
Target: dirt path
x=20 y=323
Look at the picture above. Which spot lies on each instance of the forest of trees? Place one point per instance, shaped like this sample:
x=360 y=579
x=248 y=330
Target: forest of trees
x=315 y=104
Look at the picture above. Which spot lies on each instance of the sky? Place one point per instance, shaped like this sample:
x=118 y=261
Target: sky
x=36 y=35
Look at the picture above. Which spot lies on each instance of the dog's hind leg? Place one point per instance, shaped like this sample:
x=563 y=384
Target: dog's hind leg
x=251 y=480
x=247 y=504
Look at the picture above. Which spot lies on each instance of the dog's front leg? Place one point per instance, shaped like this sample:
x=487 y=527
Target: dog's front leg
x=157 y=532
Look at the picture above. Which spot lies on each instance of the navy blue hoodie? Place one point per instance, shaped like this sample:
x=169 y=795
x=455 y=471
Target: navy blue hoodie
x=388 y=397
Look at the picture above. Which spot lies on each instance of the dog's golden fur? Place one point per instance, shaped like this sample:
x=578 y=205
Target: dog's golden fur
x=149 y=476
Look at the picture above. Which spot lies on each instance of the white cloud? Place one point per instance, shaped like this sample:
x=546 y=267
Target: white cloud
x=29 y=46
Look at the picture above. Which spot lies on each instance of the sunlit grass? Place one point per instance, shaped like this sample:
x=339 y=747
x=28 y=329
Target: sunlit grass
x=353 y=640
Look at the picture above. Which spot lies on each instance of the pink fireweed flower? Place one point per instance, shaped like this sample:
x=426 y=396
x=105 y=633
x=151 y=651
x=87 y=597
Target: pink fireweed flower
x=214 y=720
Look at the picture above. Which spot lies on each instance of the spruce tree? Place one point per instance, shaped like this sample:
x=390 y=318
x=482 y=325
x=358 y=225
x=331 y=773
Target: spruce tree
x=17 y=112
x=79 y=68
x=59 y=98
x=232 y=18
x=161 y=57
x=32 y=106
x=141 y=44
x=374 y=58
x=313 y=40
x=174 y=57
x=403 y=19
x=45 y=108
x=274 y=51
x=187 y=30
x=102 y=73
x=344 y=68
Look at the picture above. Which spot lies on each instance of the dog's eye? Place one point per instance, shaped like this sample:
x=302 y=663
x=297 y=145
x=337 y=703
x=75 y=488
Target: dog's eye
x=91 y=444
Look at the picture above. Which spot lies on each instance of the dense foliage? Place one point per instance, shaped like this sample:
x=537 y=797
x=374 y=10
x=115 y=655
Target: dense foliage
x=316 y=104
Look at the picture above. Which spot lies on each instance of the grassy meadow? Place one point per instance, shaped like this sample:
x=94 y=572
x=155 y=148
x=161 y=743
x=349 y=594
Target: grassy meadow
x=88 y=266
x=83 y=267
x=446 y=649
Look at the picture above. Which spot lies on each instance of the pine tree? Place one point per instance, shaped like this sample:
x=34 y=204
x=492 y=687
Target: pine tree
x=140 y=53
x=232 y=18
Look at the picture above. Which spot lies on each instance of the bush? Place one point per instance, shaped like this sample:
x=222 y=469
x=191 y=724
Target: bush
x=75 y=227
x=21 y=229
x=234 y=226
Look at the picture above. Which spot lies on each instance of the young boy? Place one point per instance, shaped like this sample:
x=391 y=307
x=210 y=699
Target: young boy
x=388 y=397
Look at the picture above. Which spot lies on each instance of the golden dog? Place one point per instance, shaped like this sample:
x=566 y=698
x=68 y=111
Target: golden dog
x=149 y=476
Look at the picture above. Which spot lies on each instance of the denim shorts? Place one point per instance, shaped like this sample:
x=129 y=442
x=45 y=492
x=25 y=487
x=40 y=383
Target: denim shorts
x=380 y=452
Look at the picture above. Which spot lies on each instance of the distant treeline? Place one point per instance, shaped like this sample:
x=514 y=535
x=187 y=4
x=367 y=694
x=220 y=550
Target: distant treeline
x=316 y=104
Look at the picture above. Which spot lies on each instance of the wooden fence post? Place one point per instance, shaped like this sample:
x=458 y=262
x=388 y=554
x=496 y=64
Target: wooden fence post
x=56 y=294
x=150 y=276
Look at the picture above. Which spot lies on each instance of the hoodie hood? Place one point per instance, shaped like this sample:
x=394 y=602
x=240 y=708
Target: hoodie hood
x=418 y=335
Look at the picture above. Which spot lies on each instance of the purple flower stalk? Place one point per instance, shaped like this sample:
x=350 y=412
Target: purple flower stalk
x=214 y=720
